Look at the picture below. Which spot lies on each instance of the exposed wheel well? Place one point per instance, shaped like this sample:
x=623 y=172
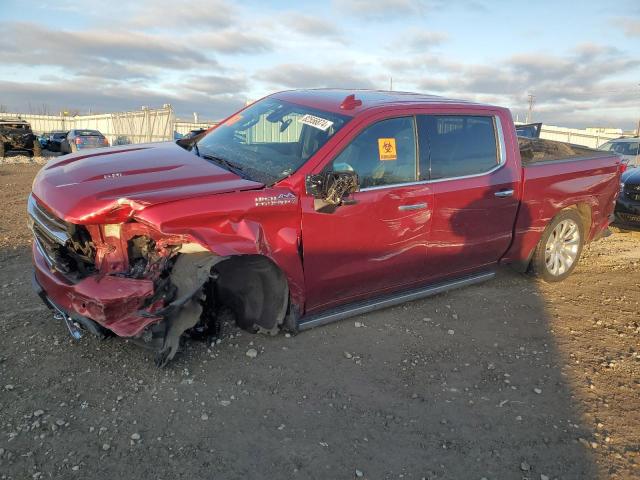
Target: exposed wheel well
x=254 y=288
x=584 y=211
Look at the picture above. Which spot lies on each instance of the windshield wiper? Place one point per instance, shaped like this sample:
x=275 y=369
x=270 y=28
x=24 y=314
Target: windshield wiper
x=232 y=167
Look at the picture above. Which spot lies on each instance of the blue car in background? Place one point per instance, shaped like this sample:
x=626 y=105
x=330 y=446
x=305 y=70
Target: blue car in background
x=79 y=139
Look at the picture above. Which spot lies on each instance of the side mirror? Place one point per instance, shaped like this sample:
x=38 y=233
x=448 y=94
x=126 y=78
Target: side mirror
x=332 y=187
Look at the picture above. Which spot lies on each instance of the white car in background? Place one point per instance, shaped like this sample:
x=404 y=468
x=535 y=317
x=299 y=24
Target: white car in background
x=627 y=148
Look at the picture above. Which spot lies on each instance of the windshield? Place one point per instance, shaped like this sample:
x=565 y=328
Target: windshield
x=625 y=148
x=271 y=139
x=87 y=133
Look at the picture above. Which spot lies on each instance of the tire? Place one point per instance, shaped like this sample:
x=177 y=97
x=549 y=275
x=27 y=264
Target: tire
x=559 y=248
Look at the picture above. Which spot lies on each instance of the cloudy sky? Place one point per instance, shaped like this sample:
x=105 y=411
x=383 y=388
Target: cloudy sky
x=580 y=59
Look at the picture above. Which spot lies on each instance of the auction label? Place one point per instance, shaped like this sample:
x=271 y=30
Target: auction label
x=317 y=122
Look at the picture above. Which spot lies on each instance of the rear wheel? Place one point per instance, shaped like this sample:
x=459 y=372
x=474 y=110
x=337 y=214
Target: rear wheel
x=559 y=249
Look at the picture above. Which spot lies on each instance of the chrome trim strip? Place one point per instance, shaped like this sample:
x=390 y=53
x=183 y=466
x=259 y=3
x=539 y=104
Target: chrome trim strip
x=43 y=252
x=501 y=145
x=334 y=315
x=49 y=226
x=394 y=185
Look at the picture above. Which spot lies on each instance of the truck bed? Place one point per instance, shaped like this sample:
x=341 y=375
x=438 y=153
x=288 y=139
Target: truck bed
x=555 y=176
x=537 y=150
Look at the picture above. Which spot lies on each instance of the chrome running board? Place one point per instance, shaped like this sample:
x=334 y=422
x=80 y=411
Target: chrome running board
x=378 y=303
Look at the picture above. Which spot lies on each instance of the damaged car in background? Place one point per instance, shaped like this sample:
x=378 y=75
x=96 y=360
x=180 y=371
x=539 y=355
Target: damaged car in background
x=16 y=136
x=304 y=208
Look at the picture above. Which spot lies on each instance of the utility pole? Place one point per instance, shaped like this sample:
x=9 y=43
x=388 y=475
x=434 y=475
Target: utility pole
x=532 y=99
x=638 y=132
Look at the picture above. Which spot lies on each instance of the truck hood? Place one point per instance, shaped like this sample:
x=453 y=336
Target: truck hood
x=109 y=184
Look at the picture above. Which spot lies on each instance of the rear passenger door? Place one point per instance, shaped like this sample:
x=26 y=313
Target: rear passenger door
x=475 y=189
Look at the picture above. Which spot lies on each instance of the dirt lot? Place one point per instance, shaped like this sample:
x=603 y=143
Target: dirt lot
x=506 y=380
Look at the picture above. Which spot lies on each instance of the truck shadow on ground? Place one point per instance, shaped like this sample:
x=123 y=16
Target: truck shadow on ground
x=467 y=384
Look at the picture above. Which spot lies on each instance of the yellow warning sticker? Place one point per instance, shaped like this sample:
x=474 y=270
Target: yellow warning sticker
x=387 y=149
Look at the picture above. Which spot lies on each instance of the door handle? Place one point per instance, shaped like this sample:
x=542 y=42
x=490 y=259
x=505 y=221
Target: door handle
x=504 y=193
x=415 y=206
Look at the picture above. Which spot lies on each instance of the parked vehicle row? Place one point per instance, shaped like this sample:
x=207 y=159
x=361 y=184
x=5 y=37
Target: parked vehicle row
x=73 y=140
x=351 y=202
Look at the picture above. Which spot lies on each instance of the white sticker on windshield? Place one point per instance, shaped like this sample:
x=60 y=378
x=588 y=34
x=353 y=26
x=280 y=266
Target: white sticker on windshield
x=317 y=122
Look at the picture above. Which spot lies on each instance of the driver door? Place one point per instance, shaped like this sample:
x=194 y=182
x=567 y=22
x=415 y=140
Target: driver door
x=376 y=242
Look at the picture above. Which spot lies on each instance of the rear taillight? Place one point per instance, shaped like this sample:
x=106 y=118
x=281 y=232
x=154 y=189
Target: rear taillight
x=79 y=141
x=105 y=142
x=623 y=167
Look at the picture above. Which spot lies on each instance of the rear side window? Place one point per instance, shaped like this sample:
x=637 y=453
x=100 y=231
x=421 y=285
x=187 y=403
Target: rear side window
x=382 y=154
x=456 y=145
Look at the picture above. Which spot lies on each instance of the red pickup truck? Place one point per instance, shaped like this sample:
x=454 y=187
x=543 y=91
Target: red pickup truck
x=304 y=208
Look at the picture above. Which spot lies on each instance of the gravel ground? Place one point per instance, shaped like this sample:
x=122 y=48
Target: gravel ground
x=510 y=379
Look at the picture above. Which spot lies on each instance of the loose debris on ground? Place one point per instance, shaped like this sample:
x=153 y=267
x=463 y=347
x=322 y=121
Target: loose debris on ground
x=16 y=158
x=509 y=379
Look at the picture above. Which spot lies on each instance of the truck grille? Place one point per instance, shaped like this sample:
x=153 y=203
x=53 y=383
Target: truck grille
x=49 y=232
x=53 y=239
x=632 y=192
x=628 y=218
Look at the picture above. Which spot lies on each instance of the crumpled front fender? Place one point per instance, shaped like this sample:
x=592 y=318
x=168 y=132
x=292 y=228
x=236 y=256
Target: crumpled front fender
x=263 y=222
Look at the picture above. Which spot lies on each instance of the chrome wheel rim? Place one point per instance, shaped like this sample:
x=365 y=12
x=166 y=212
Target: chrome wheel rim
x=562 y=246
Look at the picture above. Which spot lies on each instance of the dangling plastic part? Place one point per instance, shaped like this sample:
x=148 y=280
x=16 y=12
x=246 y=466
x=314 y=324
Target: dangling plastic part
x=350 y=102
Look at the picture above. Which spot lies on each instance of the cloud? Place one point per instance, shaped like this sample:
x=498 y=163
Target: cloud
x=403 y=9
x=304 y=76
x=189 y=14
x=231 y=41
x=419 y=40
x=80 y=95
x=118 y=54
x=585 y=85
x=312 y=26
x=382 y=8
x=213 y=85
x=630 y=26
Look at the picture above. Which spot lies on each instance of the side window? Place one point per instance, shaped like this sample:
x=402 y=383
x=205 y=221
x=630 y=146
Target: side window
x=382 y=154
x=456 y=145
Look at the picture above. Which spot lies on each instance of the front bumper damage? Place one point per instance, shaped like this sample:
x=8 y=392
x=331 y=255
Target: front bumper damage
x=114 y=303
x=117 y=304
x=127 y=280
